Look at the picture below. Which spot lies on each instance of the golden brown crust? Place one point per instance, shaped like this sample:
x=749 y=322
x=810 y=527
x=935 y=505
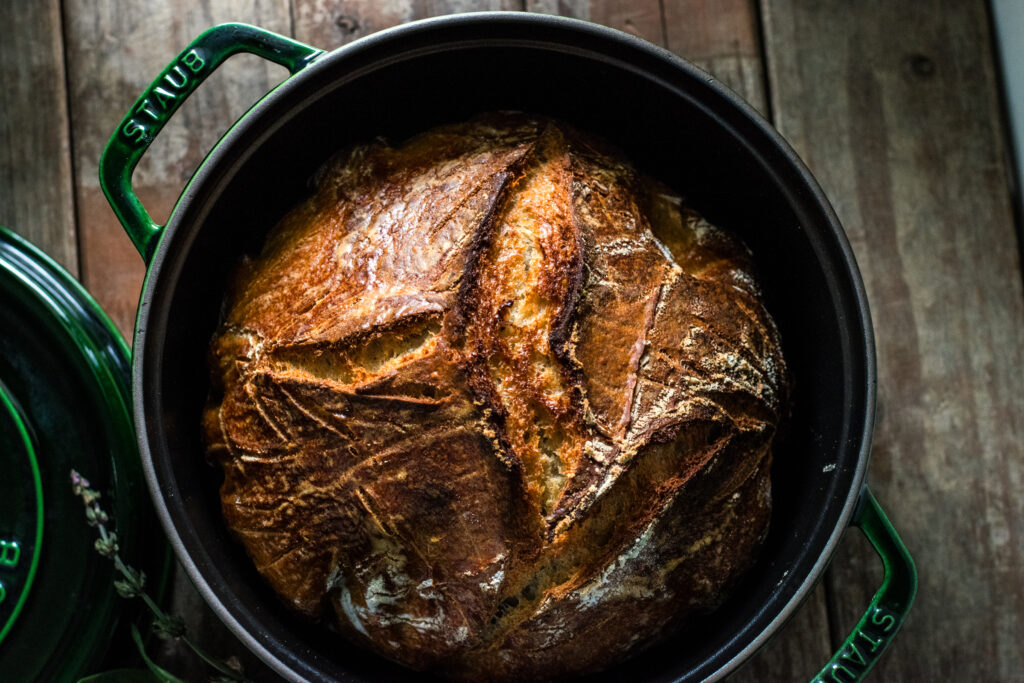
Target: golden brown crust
x=504 y=405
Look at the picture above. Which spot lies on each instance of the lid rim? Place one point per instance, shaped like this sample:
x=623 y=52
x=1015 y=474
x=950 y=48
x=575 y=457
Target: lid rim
x=21 y=424
x=72 y=327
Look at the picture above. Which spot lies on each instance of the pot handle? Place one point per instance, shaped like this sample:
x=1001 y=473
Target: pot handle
x=162 y=98
x=888 y=609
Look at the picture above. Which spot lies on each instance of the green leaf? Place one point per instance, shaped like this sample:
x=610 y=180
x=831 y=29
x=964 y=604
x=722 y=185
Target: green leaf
x=162 y=675
x=121 y=676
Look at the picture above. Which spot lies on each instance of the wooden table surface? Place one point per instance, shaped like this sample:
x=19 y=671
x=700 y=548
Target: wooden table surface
x=894 y=106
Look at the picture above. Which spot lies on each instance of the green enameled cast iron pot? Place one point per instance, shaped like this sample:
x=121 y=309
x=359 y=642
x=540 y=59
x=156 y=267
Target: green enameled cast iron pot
x=677 y=124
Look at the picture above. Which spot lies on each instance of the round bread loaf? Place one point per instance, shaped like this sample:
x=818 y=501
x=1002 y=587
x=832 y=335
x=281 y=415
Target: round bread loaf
x=502 y=405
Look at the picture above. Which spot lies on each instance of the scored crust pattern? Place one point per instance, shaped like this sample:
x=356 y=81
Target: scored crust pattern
x=500 y=403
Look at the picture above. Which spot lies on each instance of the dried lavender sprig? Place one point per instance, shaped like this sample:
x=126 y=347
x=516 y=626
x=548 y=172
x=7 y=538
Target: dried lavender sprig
x=133 y=584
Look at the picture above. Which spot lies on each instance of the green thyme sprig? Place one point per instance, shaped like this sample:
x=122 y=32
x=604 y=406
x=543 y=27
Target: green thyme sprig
x=133 y=585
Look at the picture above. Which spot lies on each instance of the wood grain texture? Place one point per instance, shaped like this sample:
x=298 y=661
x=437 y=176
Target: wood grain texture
x=642 y=18
x=114 y=50
x=721 y=37
x=893 y=106
x=329 y=23
x=35 y=157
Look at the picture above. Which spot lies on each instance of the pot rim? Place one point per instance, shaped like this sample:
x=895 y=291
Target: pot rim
x=566 y=27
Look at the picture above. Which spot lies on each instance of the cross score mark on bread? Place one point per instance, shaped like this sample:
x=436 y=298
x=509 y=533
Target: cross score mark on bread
x=502 y=404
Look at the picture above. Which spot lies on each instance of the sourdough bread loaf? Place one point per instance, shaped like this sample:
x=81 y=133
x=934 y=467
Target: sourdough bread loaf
x=495 y=403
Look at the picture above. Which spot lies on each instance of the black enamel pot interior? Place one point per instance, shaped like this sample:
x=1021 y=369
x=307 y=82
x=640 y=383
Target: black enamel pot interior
x=676 y=124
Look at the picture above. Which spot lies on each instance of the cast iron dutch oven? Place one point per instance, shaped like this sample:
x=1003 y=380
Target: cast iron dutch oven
x=676 y=123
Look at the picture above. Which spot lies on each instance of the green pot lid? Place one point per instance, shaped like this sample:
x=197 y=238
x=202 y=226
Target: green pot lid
x=21 y=509
x=64 y=404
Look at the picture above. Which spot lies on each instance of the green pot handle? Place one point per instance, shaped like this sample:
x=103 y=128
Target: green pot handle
x=888 y=609
x=158 y=103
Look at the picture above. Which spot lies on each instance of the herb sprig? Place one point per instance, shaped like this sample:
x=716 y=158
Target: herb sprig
x=132 y=584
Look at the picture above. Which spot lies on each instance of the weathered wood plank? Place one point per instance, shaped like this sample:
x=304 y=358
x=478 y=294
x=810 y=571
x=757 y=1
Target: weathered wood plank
x=642 y=18
x=330 y=23
x=114 y=50
x=894 y=108
x=722 y=38
x=35 y=157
